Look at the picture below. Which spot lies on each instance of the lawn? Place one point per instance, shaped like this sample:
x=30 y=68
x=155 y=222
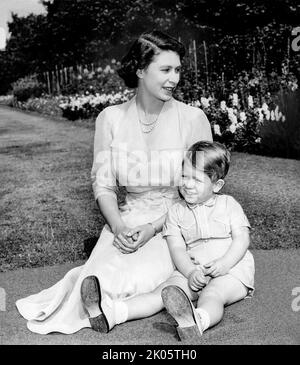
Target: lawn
x=47 y=206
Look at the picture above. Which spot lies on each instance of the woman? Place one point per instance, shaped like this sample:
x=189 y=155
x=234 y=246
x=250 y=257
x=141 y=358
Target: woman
x=139 y=144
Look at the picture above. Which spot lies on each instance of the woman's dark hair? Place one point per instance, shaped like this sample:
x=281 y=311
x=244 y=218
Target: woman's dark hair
x=142 y=52
x=212 y=157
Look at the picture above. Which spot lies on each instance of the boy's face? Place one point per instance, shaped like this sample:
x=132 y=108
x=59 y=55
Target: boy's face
x=196 y=186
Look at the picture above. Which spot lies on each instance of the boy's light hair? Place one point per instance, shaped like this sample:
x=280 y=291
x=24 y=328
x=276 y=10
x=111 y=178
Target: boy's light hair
x=211 y=157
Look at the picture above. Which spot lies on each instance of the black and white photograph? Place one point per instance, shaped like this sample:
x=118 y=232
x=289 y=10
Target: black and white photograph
x=149 y=175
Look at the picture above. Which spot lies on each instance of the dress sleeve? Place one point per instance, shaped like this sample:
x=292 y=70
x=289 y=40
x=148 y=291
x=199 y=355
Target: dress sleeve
x=200 y=128
x=236 y=214
x=170 y=227
x=103 y=175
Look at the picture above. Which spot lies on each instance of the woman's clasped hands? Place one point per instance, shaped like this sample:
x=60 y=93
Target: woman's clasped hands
x=128 y=240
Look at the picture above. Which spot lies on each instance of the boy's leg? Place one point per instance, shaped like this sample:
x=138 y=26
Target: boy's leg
x=148 y=304
x=219 y=292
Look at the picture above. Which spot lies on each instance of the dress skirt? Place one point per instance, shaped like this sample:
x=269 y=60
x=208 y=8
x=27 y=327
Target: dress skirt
x=59 y=308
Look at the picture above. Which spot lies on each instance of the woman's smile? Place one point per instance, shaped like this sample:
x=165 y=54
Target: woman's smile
x=161 y=77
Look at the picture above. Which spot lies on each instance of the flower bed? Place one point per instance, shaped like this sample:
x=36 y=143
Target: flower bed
x=236 y=126
x=89 y=105
x=6 y=100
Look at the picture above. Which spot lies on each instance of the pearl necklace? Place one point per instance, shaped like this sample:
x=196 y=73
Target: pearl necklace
x=147 y=126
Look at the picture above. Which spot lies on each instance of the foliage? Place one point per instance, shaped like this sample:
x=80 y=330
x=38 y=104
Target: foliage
x=48 y=105
x=244 y=35
x=89 y=105
x=7 y=100
x=27 y=87
x=283 y=139
x=98 y=80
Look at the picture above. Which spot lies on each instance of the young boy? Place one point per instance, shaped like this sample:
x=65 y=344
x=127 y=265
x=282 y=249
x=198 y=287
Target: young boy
x=212 y=231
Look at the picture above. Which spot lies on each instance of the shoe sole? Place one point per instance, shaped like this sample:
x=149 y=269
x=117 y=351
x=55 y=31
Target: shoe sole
x=180 y=308
x=91 y=297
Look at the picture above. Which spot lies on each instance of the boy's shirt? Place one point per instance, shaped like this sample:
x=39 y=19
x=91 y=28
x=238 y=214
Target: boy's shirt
x=213 y=219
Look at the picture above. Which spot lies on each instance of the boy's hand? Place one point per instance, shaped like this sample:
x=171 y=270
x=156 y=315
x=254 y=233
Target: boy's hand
x=216 y=268
x=197 y=280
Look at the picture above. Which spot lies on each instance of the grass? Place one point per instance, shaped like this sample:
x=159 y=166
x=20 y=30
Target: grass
x=47 y=206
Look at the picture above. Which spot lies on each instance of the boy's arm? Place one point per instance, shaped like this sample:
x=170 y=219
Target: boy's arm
x=180 y=256
x=235 y=252
x=238 y=247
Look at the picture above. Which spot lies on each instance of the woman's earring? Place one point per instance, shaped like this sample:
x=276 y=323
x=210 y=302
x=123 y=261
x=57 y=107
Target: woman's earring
x=139 y=73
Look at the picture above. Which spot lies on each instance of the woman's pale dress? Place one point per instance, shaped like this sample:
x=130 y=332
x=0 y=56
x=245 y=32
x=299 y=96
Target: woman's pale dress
x=150 y=170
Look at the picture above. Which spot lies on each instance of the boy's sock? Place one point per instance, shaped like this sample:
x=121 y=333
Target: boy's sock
x=204 y=316
x=121 y=311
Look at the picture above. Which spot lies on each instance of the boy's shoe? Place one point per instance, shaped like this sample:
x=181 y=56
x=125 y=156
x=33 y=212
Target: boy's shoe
x=91 y=298
x=182 y=310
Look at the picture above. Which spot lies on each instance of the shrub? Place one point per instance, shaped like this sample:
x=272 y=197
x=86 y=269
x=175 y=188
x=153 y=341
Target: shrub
x=281 y=138
x=89 y=105
x=27 y=87
x=7 y=100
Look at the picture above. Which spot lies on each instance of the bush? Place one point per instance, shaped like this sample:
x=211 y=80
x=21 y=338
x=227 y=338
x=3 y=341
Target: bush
x=89 y=105
x=282 y=138
x=7 y=100
x=27 y=87
x=48 y=105
x=99 y=80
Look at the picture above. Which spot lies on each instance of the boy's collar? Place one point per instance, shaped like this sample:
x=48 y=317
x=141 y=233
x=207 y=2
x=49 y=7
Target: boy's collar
x=208 y=203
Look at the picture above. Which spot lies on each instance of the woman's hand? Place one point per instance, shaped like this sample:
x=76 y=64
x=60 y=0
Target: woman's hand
x=216 y=268
x=197 y=280
x=141 y=235
x=123 y=240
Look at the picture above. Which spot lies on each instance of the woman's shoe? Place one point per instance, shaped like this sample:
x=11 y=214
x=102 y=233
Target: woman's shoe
x=91 y=298
x=182 y=310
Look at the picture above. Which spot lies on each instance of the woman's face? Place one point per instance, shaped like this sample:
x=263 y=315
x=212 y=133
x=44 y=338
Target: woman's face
x=160 y=78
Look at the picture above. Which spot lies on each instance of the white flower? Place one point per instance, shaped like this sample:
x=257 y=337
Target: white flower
x=283 y=118
x=223 y=105
x=272 y=115
x=233 y=119
x=258 y=140
x=107 y=69
x=277 y=113
x=268 y=114
x=196 y=103
x=260 y=115
x=250 y=101
x=232 y=128
x=265 y=107
x=204 y=102
x=230 y=111
x=235 y=99
x=243 y=116
x=217 y=130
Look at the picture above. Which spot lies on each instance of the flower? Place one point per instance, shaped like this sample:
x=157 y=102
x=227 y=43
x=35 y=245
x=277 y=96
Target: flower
x=243 y=116
x=272 y=115
x=223 y=105
x=250 y=101
x=235 y=99
x=217 y=130
x=204 y=102
x=268 y=114
x=232 y=127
